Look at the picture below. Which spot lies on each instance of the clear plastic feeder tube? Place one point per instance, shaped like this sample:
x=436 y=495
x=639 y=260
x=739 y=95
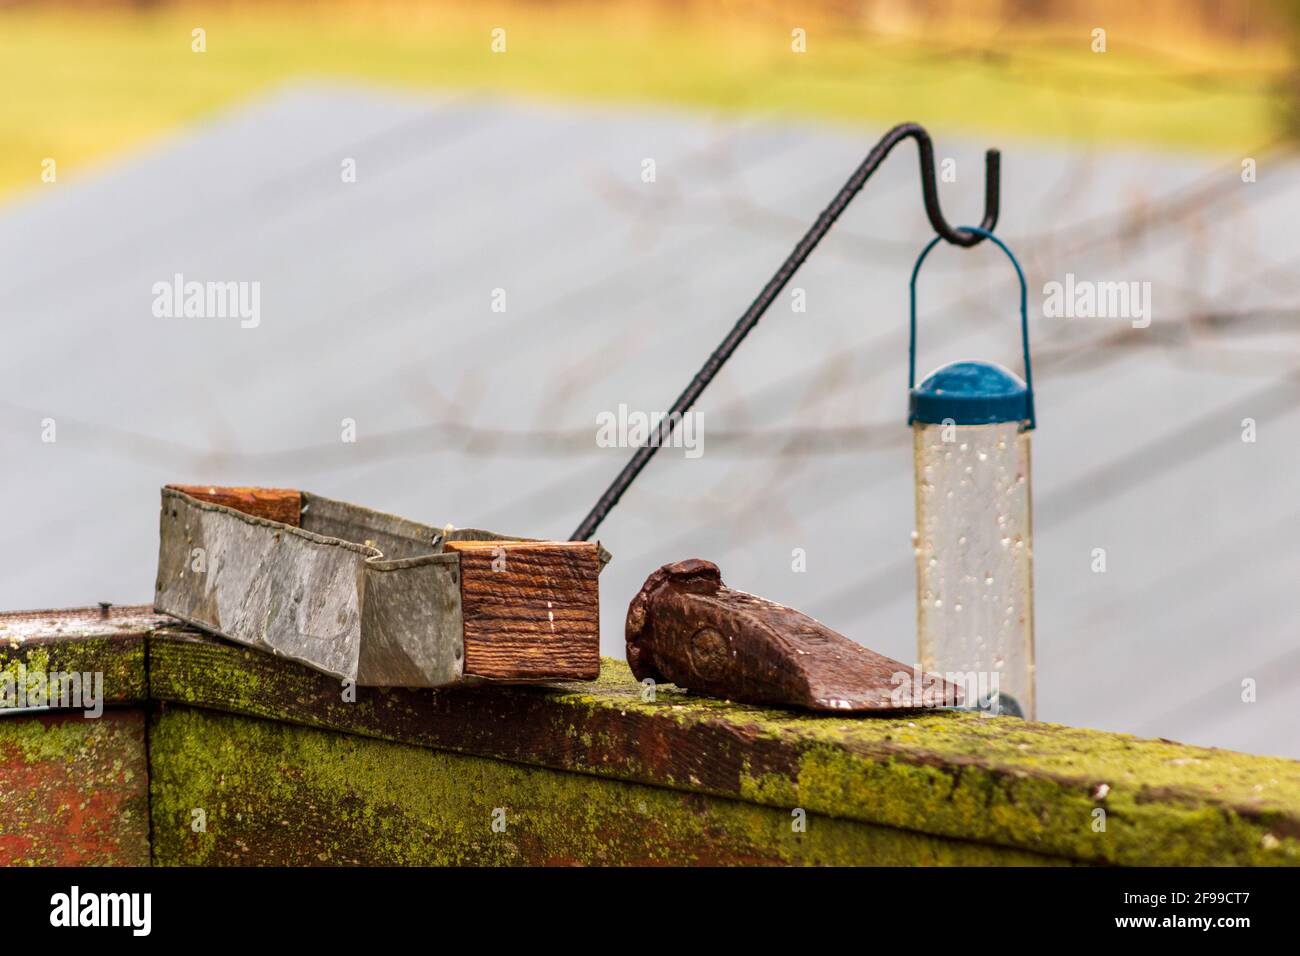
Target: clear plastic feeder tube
x=974 y=536
x=974 y=561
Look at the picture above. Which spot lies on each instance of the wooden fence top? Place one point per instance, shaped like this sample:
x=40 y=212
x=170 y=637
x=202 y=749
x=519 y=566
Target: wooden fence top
x=1002 y=781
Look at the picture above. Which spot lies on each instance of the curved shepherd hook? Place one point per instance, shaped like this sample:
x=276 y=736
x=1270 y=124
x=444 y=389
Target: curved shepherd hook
x=805 y=246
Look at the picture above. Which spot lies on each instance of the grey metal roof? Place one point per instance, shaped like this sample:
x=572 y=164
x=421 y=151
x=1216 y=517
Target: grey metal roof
x=376 y=306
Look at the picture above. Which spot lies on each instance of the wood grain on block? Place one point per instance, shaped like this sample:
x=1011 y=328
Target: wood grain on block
x=274 y=504
x=531 y=609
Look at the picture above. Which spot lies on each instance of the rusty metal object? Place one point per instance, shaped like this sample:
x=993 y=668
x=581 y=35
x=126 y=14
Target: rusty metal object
x=688 y=628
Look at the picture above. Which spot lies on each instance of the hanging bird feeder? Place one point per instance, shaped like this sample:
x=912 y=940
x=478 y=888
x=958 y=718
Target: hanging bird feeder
x=971 y=424
x=974 y=544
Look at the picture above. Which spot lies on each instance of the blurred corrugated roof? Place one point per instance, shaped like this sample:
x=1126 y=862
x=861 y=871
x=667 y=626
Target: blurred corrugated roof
x=376 y=306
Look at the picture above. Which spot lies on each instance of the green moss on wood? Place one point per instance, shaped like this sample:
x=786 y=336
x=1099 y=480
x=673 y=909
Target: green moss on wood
x=276 y=793
x=953 y=775
x=73 y=791
x=1028 y=785
x=120 y=658
x=36 y=740
x=1019 y=783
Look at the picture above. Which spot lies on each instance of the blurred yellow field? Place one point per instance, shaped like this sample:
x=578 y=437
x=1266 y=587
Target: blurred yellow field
x=82 y=87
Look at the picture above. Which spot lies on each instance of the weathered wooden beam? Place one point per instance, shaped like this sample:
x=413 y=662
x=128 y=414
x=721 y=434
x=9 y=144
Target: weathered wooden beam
x=531 y=610
x=1031 y=786
x=231 y=790
x=74 y=784
x=954 y=776
x=106 y=640
x=73 y=790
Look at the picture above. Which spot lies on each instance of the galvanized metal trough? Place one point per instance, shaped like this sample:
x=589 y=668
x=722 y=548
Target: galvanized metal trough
x=373 y=598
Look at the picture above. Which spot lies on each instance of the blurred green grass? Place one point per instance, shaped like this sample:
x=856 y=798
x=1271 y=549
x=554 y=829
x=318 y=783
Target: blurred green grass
x=84 y=87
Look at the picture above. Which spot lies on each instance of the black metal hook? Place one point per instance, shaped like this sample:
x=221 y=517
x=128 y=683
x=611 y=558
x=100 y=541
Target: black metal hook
x=930 y=189
x=804 y=248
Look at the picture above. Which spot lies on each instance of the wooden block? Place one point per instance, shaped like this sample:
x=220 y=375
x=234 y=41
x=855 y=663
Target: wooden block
x=274 y=504
x=531 y=609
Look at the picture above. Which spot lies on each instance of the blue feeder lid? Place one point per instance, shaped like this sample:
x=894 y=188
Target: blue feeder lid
x=970 y=393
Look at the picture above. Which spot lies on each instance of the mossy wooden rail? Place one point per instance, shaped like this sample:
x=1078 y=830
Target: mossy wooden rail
x=212 y=753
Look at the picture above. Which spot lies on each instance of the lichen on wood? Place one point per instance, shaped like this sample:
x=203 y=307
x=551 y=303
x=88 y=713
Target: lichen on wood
x=74 y=791
x=108 y=641
x=273 y=793
x=960 y=775
x=1033 y=787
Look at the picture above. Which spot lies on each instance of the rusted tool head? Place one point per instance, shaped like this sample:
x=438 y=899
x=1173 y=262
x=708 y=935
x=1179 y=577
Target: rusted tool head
x=688 y=628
